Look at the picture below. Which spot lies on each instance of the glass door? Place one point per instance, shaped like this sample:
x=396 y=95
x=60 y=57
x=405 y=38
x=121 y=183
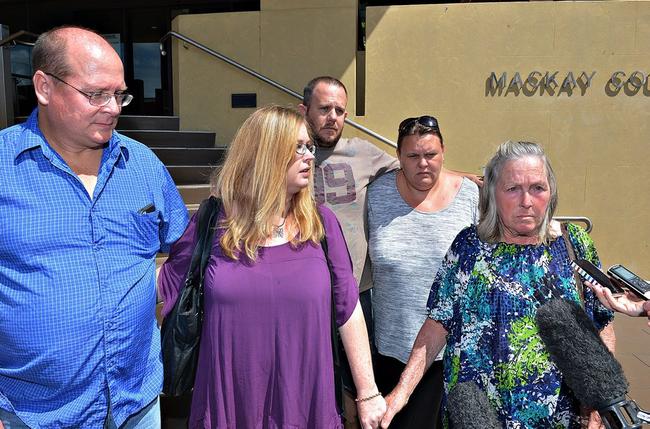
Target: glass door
x=144 y=66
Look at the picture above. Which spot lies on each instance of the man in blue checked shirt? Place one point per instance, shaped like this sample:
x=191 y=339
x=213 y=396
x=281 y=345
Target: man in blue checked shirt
x=83 y=212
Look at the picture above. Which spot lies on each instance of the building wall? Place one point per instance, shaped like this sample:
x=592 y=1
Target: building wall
x=290 y=41
x=437 y=59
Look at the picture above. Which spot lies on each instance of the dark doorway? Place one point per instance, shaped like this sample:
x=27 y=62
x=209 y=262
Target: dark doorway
x=144 y=69
x=133 y=27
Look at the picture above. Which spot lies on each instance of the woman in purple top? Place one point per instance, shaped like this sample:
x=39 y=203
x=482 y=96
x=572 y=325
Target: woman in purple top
x=265 y=357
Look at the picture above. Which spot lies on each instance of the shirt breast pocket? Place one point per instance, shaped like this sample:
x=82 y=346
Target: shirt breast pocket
x=145 y=229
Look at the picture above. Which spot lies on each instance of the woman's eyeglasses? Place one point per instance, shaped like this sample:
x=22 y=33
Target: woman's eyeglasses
x=303 y=148
x=425 y=121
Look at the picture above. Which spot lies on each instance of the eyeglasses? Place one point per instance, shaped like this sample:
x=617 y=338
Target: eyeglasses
x=425 y=121
x=303 y=148
x=100 y=99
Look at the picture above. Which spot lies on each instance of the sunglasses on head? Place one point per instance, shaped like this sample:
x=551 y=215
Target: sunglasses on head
x=425 y=121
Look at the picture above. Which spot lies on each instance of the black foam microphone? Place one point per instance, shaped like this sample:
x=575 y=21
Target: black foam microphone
x=587 y=365
x=469 y=408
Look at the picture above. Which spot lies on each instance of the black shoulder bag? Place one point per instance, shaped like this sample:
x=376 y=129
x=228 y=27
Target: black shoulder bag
x=181 y=329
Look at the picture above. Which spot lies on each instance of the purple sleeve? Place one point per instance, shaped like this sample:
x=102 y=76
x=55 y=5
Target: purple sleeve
x=174 y=270
x=346 y=291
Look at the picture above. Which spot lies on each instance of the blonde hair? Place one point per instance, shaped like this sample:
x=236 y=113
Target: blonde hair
x=252 y=183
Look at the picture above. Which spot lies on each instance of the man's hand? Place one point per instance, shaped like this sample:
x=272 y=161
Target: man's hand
x=471 y=176
x=395 y=401
x=370 y=412
x=475 y=178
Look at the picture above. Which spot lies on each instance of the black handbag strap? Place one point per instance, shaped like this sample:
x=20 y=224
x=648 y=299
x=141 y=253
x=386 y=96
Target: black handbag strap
x=207 y=218
x=336 y=354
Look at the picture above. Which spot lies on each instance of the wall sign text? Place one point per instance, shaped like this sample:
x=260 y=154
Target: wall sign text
x=557 y=82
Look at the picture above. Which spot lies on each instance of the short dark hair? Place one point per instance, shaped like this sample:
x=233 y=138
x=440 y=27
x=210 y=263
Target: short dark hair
x=50 y=51
x=309 y=88
x=420 y=130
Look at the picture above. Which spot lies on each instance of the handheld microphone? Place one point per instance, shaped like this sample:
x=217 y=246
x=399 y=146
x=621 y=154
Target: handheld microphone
x=588 y=367
x=469 y=408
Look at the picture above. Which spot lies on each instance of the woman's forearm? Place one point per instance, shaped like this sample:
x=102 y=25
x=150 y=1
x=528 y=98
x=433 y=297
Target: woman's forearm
x=371 y=406
x=357 y=348
x=430 y=340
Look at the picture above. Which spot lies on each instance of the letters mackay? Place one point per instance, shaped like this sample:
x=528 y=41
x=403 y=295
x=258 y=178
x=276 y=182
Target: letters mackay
x=535 y=81
x=556 y=83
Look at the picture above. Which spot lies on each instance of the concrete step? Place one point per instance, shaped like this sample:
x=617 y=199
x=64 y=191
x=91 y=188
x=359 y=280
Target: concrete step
x=190 y=156
x=139 y=122
x=190 y=174
x=192 y=208
x=194 y=194
x=162 y=138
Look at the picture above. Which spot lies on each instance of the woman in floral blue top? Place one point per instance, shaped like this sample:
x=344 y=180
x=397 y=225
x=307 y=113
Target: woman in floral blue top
x=484 y=299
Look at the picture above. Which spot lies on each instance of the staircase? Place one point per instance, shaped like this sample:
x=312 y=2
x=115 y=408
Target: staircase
x=188 y=155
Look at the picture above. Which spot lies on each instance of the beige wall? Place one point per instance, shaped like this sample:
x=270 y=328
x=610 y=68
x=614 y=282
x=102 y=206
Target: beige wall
x=436 y=59
x=288 y=41
x=203 y=84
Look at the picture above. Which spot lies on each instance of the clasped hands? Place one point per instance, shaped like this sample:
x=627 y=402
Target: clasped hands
x=379 y=412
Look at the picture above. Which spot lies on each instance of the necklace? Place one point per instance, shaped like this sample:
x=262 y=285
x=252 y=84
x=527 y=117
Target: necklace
x=278 y=231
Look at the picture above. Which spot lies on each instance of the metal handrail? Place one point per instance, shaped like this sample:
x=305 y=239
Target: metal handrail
x=261 y=77
x=14 y=38
x=589 y=225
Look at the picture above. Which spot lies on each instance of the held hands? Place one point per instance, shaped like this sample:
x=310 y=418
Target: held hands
x=395 y=401
x=370 y=412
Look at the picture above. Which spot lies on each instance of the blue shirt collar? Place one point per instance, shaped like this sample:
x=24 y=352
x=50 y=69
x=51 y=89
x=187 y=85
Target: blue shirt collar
x=32 y=137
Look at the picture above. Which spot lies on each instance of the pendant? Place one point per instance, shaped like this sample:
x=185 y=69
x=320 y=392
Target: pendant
x=278 y=231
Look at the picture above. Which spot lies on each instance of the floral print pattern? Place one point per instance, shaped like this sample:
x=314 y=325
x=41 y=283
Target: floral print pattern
x=486 y=296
